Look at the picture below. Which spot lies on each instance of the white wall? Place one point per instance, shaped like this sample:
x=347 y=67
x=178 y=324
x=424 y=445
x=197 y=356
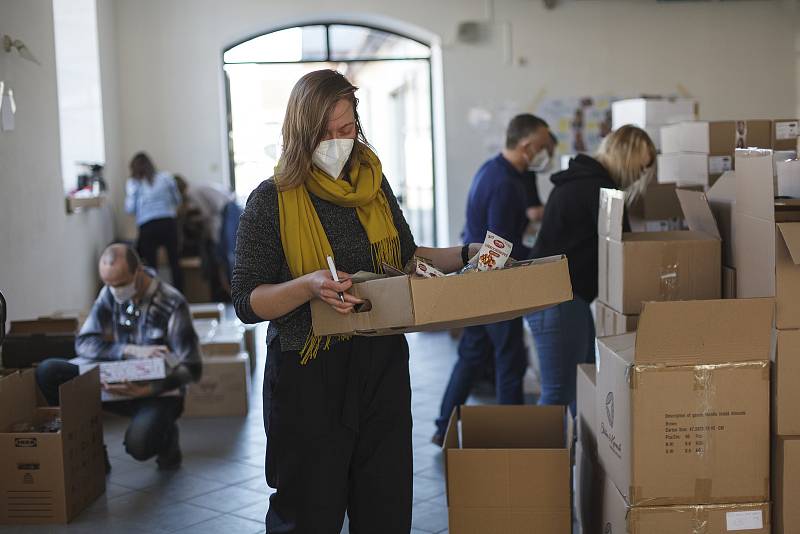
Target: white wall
x=47 y=258
x=736 y=58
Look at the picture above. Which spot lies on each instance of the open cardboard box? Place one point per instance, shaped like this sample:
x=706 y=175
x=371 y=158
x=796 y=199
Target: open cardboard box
x=767 y=238
x=32 y=341
x=400 y=304
x=508 y=468
x=222 y=390
x=636 y=267
x=49 y=477
x=684 y=400
x=786 y=484
x=609 y=322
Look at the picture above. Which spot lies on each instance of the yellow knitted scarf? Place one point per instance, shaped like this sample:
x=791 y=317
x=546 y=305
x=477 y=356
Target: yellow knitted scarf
x=303 y=238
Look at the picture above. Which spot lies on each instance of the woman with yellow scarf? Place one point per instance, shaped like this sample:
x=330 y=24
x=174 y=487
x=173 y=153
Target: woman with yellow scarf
x=337 y=411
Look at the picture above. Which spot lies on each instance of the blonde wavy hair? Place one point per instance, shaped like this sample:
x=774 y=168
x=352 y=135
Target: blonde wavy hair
x=310 y=104
x=625 y=153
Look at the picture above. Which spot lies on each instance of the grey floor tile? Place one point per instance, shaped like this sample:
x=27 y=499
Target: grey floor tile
x=229 y=499
x=182 y=487
x=254 y=512
x=426 y=488
x=429 y=517
x=174 y=516
x=226 y=524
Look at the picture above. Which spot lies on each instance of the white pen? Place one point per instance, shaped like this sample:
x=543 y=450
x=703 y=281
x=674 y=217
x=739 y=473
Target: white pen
x=332 y=267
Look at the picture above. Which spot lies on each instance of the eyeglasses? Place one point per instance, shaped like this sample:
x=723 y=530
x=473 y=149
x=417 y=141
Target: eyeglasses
x=129 y=314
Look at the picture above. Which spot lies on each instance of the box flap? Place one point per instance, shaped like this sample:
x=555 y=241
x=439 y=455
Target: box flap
x=512 y=427
x=697 y=212
x=79 y=400
x=612 y=206
x=705 y=331
x=791 y=236
x=45 y=325
x=755 y=187
x=724 y=189
x=17 y=397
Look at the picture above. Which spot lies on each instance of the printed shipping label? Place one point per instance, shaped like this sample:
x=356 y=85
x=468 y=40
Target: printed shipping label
x=719 y=164
x=787 y=130
x=736 y=521
x=494 y=253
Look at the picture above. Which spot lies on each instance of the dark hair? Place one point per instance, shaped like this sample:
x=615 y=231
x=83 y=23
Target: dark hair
x=116 y=249
x=521 y=127
x=142 y=167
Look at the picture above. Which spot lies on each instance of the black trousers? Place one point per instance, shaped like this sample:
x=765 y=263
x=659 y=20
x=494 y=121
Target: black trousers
x=161 y=233
x=339 y=438
x=152 y=425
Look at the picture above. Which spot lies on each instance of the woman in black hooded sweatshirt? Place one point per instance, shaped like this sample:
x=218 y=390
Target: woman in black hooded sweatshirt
x=564 y=335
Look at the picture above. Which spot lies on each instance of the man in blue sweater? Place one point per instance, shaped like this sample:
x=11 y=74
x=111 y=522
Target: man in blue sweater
x=497 y=202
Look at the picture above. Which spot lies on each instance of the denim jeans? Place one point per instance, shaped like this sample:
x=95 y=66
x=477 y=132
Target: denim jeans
x=564 y=337
x=152 y=425
x=504 y=341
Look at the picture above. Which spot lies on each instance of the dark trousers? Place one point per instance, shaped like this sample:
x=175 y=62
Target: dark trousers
x=505 y=341
x=152 y=425
x=564 y=337
x=161 y=233
x=339 y=438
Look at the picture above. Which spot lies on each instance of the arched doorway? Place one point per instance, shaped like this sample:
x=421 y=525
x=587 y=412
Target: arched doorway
x=393 y=73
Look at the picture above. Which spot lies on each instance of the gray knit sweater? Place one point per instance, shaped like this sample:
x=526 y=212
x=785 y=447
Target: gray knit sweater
x=260 y=258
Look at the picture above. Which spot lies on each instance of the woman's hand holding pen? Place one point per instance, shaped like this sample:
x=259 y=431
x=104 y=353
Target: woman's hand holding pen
x=321 y=285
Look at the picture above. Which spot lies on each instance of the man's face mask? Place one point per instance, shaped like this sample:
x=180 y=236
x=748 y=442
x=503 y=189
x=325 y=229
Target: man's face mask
x=540 y=161
x=331 y=156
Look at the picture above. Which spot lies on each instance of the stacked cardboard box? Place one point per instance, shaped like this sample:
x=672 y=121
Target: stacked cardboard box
x=766 y=233
x=508 y=469
x=651 y=114
x=587 y=476
x=51 y=459
x=223 y=390
x=678 y=405
x=697 y=153
x=637 y=267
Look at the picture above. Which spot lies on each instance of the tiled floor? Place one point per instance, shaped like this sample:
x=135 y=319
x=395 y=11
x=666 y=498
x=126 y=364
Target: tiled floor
x=221 y=487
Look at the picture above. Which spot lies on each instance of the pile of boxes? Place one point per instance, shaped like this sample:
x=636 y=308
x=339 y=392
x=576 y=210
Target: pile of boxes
x=223 y=389
x=680 y=421
x=697 y=153
x=637 y=267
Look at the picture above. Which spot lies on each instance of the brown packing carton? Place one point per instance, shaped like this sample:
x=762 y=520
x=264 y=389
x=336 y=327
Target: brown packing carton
x=407 y=304
x=224 y=341
x=658 y=203
x=29 y=342
x=785 y=133
x=635 y=267
x=681 y=402
x=207 y=310
x=609 y=322
x=721 y=199
x=620 y=518
x=786 y=484
x=50 y=477
x=586 y=390
x=716 y=138
x=767 y=238
x=587 y=478
x=222 y=390
x=508 y=469
x=786 y=384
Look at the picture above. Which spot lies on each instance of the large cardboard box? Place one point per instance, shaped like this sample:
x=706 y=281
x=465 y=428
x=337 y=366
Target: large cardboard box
x=681 y=402
x=721 y=199
x=786 y=484
x=620 y=518
x=636 y=267
x=767 y=238
x=716 y=138
x=691 y=169
x=508 y=469
x=223 y=341
x=411 y=304
x=29 y=342
x=609 y=322
x=49 y=477
x=785 y=133
x=587 y=476
x=786 y=384
x=787 y=178
x=649 y=112
x=658 y=203
x=586 y=391
x=207 y=310
x=222 y=390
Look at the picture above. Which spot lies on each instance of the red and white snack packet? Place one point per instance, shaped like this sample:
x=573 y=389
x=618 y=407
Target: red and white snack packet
x=494 y=253
x=427 y=271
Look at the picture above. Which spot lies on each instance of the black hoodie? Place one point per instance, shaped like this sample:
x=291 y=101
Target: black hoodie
x=569 y=225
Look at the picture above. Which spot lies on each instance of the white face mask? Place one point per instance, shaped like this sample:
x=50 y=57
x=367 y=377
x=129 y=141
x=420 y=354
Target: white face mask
x=123 y=293
x=331 y=156
x=540 y=162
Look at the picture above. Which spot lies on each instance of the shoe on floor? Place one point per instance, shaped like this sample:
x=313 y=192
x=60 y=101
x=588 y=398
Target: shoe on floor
x=437 y=439
x=171 y=458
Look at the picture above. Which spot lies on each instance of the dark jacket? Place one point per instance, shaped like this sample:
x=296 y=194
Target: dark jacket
x=497 y=202
x=569 y=225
